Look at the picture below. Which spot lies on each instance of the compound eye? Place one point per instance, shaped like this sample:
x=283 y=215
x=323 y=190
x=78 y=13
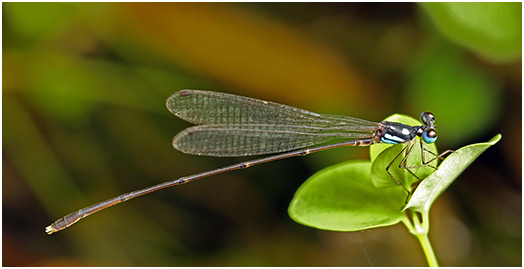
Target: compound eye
x=430 y=136
x=427 y=117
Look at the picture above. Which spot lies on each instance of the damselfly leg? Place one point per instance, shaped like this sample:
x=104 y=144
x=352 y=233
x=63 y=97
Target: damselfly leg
x=408 y=149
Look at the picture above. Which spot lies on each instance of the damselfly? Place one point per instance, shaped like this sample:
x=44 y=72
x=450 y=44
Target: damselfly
x=229 y=125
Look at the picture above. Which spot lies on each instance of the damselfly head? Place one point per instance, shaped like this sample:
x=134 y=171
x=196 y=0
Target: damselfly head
x=427 y=118
x=430 y=135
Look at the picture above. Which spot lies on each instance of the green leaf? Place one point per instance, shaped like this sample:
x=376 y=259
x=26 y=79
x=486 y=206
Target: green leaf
x=383 y=154
x=492 y=30
x=430 y=189
x=343 y=198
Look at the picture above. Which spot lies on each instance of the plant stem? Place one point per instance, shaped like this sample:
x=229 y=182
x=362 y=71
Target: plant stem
x=428 y=250
x=420 y=228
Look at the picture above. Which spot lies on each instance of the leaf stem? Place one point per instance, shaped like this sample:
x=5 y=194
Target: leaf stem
x=418 y=225
x=428 y=250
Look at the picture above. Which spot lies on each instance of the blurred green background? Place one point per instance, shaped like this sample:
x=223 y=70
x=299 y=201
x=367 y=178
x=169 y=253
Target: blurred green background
x=84 y=119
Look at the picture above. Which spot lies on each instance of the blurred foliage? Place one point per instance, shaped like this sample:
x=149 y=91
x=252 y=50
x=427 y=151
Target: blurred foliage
x=84 y=87
x=493 y=30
